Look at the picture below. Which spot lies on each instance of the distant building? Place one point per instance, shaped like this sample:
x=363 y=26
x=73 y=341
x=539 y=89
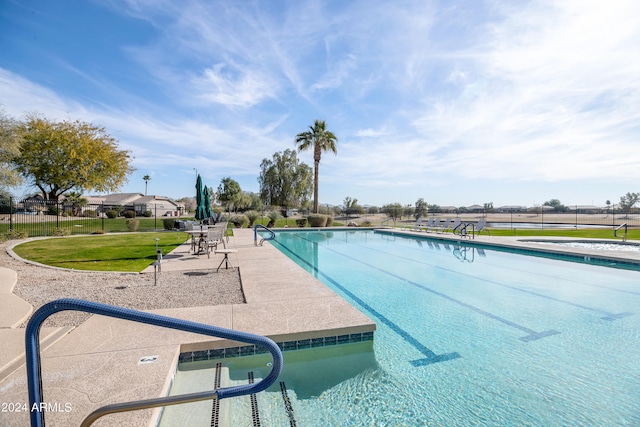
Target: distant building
x=138 y=202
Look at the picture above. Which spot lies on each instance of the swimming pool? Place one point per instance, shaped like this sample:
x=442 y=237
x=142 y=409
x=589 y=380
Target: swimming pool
x=467 y=335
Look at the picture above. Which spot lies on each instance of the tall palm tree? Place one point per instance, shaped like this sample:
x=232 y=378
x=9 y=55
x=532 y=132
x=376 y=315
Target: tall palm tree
x=146 y=178
x=321 y=140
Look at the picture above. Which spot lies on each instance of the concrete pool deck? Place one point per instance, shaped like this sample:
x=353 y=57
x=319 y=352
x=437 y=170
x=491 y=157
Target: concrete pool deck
x=99 y=362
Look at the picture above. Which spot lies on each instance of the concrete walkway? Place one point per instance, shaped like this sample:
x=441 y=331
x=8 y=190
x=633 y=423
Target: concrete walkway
x=99 y=362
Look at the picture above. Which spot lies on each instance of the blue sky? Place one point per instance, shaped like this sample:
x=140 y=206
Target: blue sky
x=457 y=102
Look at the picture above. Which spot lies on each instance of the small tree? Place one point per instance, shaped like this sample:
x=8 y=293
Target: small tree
x=628 y=201
x=393 y=210
x=421 y=208
x=228 y=192
x=284 y=180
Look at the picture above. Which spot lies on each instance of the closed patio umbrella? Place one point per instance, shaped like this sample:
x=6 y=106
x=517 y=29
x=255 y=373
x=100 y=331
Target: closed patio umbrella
x=201 y=212
x=207 y=203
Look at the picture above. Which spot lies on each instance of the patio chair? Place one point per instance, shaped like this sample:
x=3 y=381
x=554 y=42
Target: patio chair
x=215 y=236
x=427 y=225
x=434 y=225
x=445 y=225
x=416 y=226
x=471 y=229
x=453 y=226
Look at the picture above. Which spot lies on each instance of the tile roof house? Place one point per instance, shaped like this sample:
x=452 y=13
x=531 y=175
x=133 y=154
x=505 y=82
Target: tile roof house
x=158 y=205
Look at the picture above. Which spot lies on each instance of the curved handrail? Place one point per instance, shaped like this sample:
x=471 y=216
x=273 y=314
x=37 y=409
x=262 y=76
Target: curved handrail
x=388 y=219
x=626 y=229
x=271 y=236
x=32 y=344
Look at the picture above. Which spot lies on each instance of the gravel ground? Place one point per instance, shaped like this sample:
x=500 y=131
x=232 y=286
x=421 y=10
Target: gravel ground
x=174 y=289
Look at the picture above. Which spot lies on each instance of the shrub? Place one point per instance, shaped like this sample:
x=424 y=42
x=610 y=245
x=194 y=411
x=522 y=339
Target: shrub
x=317 y=220
x=60 y=232
x=329 y=221
x=252 y=216
x=147 y=214
x=239 y=221
x=98 y=232
x=129 y=214
x=168 y=223
x=90 y=213
x=366 y=224
x=111 y=214
x=15 y=234
x=133 y=224
x=273 y=217
x=301 y=222
x=53 y=210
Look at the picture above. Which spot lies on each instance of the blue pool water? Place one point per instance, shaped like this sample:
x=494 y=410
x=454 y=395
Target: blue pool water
x=480 y=337
x=466 y=336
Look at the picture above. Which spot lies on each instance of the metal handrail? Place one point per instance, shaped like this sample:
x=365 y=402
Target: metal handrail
x=615 y=231
x=388 y=219
x=34 y=374
x=255 y=234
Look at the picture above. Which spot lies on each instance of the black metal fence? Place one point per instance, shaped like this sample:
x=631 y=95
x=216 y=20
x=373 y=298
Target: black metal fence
x=534 y=218
x=33 y=217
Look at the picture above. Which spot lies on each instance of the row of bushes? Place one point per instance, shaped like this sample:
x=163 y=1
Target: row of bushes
x=127 y=214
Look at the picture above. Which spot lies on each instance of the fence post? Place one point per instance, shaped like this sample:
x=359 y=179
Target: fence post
x=102 y=215
x=10 y=212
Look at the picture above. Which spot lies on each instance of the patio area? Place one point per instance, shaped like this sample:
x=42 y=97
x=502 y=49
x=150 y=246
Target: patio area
x=99 y=362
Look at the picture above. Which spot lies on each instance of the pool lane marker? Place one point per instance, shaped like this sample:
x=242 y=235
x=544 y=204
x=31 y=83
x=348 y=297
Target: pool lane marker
x=215 y=409
x=287 y=405
x=531 y=334
x=255 y=414
x=607 y=314
x=430 y=356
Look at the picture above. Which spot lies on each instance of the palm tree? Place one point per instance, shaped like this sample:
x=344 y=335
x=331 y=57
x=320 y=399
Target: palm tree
x=146 y=178
x=322 y=140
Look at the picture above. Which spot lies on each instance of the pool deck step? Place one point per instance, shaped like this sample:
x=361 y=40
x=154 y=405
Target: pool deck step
x=13 y=309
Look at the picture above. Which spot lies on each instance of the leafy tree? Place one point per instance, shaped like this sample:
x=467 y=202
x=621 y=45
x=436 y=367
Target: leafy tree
x=373 y=210
x=628 y=201
x=188 y=202
x=557 y=206
x=434 y=208
x=393 y=210
x=284 y=180
x=351 y=207
x=229 y=192
x=321 y=140
x=146 y=178
x=422 y=208
x=488 y=207
x=9 y=149
x=59 y=156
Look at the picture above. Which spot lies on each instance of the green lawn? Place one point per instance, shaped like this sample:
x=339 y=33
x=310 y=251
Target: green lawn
x=593 y=233
x=123 y=252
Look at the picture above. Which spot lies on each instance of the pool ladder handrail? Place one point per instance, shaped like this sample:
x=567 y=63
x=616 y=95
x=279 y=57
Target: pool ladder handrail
x=388 y=219
x=462 y=231
x=34 y=373
x=626 y=229
x=271 y=236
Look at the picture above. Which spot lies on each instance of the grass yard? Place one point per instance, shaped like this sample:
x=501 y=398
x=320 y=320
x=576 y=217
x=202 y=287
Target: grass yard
x=122 y=252
x=583 y=233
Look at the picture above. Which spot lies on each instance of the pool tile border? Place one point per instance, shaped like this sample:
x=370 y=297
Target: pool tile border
x=250 y=350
